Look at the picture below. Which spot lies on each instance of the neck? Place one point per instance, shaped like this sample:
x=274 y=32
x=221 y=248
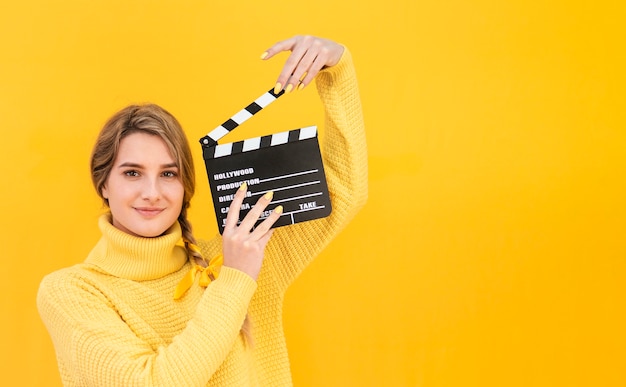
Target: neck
x=137 y=258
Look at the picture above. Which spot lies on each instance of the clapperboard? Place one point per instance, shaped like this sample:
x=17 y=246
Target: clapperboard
x=287 y=163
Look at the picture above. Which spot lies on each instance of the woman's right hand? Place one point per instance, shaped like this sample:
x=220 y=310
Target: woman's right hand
x=242 y=248
x=309 y=55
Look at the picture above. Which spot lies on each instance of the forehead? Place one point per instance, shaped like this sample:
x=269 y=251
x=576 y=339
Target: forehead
x=144 y=148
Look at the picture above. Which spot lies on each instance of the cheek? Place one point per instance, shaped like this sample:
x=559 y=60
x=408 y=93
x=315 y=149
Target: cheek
x=176 y=193
x=119 y=191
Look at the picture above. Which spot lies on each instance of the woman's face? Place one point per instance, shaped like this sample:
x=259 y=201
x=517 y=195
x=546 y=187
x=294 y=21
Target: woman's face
x=144 y=189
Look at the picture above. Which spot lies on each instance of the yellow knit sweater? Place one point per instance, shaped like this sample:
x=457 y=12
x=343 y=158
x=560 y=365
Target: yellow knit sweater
x=114 y=322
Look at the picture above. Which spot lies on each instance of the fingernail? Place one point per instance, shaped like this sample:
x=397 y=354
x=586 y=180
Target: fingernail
x=264 y=55
x=278 y=88
x=301 y=86
x=279 y=210
x=243 y=186
x=288 y=88
x=269 y=195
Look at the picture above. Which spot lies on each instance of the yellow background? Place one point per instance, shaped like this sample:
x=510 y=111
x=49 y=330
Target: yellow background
x=492 y=249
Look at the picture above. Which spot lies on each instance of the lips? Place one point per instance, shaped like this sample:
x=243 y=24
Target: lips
x=149 y=212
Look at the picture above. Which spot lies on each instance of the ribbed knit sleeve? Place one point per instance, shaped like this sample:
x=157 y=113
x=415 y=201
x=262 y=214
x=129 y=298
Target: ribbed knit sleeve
x=344 y=154
x=96 y=347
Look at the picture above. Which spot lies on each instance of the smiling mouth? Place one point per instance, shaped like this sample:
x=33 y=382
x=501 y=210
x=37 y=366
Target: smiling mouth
x=149 y=212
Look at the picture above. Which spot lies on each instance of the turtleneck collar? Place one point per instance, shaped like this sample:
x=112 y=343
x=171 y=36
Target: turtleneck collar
x=137 y=258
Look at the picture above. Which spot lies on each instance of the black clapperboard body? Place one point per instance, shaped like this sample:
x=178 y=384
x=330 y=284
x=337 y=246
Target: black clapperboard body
x=287 y=163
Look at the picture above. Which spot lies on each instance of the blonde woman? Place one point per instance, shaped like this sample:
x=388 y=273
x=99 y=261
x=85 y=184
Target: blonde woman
x=153 y=306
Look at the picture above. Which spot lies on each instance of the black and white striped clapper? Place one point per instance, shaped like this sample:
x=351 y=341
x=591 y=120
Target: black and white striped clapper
x=287 y=163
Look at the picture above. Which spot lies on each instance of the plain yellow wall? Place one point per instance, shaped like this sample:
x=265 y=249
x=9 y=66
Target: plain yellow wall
x=492 y=249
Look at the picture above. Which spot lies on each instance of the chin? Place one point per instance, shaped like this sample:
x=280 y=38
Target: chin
x=144 y=228
x=151 y=233
x=146 y=232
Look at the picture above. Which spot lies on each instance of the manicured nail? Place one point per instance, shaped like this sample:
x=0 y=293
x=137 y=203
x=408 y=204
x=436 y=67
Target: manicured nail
x=269 y=195
x=279 y=210
x=288 y=88
x=278 y=88
x=301 y=86
x=243 y=186
x=264 y=55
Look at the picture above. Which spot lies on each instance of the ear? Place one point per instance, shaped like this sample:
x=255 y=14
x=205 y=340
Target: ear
x=105 y=192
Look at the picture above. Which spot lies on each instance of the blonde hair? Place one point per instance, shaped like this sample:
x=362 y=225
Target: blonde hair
x=154 y=120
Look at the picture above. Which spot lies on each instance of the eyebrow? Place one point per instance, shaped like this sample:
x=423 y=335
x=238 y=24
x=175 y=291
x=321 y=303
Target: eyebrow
x=135 y=165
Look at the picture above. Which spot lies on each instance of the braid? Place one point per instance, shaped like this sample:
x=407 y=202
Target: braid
x=188 y=237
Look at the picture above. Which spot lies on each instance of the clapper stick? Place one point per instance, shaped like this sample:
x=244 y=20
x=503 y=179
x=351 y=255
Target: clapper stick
x=242 y=116
x=286 y=163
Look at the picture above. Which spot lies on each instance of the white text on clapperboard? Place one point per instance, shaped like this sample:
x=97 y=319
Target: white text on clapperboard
x=237 y=173
x=237 y=184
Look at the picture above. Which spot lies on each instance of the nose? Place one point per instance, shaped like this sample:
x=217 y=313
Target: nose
x=151 y=190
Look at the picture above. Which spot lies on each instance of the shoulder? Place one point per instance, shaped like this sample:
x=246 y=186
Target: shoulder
x=67 y=282
x=68 y=275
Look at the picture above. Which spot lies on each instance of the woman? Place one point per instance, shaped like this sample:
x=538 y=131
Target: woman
x=147 y=309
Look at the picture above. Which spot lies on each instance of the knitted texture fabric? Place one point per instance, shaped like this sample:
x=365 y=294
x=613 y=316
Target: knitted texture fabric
x=113 y=320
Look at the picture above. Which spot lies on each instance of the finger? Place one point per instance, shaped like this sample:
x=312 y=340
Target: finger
x=327 y=54
x=253 y=215
x=277 y=48
x=301 y=48
x=233 y=211
x=266 y=225
x=303 y=69
x=315 y=68
x=265 y=238
x=293 y=68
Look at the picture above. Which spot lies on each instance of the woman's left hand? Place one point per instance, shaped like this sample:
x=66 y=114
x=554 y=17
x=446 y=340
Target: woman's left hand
x=309 y=54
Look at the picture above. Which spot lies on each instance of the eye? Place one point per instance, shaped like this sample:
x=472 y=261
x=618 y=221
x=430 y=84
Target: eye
x=131 y=173
x=170 y=174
